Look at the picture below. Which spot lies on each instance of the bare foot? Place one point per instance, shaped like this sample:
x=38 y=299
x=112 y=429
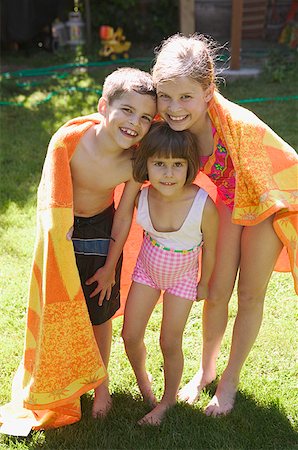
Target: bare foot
x=146 y=389
x=102 y=402
x=155 y=417
x=190 y=393
x=223 y=401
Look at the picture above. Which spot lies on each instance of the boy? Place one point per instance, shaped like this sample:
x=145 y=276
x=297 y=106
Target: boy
x=89 y=156
x=102 y=161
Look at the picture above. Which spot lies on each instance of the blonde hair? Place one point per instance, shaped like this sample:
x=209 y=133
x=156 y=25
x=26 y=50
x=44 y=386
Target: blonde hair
x=163 y=142
x=127 y=79
x=181 y=56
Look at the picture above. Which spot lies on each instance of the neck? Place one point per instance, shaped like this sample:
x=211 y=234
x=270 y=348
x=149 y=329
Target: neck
x=203 y=127
x=166 y=198
x=107 y=144
x=203 y=133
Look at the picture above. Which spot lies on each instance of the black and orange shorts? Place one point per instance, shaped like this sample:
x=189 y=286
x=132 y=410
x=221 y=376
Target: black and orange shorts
x=91 y=238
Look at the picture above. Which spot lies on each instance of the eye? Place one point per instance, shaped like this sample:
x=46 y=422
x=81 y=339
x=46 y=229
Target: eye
x=147 y=119
x=158 y=164
x=126 y=109
x=185 y=97
x=163 y=96
x=178 y=164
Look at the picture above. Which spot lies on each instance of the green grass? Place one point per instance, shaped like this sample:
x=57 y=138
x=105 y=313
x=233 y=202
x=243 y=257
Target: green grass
x=265 y=415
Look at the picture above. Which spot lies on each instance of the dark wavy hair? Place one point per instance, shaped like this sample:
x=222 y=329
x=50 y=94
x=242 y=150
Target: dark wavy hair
x=164 y=142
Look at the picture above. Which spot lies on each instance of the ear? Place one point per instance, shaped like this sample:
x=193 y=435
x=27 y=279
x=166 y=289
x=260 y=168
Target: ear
x=208 y=94
x=102 y=106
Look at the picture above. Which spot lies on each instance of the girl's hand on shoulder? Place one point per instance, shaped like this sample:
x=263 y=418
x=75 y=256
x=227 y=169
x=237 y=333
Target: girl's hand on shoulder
x=202 y=292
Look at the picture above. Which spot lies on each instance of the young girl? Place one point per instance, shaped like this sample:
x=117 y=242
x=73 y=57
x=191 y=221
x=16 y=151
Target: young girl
x=255 y=173
x=177 y=217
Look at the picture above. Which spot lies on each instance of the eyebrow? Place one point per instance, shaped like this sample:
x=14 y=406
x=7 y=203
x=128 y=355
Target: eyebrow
x=182 y=93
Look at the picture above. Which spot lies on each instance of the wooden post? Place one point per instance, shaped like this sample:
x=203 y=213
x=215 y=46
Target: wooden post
x=236 y=33
x=187 y=17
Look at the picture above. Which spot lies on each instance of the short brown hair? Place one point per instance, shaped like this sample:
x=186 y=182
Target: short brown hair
x=127 y=79
x=164 y=142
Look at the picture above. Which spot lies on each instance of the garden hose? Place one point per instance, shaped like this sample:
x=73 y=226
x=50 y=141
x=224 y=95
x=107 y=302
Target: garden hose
x=53 y=71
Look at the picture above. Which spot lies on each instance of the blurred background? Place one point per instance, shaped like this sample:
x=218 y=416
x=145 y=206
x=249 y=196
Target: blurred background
x=53 y=26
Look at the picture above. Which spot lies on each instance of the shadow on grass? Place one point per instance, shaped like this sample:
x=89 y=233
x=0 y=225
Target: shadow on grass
x=23 y=146
x=25 y=134
x=249 y=426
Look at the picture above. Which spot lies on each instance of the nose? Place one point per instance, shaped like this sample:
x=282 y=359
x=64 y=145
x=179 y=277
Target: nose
x=134 y=119
x=174 y=106
x=168 y=171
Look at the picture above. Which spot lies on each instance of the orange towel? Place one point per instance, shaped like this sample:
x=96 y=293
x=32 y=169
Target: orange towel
x=59 y=338
x=267 y=174
x=61 y=360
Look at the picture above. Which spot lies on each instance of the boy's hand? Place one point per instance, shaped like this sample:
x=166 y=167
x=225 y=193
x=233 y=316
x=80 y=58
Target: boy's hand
x=69 y=234
x=202 y=292
x=105 y=280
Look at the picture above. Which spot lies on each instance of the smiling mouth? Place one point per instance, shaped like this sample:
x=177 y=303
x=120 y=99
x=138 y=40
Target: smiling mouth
x=167 y=183
x=177 y=118
x=128 y=132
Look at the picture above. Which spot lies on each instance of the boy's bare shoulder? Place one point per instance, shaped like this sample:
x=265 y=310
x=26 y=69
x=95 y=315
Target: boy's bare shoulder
x=88 y=142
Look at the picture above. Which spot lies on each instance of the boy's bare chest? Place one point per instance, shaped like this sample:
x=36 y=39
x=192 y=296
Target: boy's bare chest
x=96 y=173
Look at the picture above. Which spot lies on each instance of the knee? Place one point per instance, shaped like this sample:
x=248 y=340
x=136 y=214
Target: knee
x=217 y=298
x=250 y=299
x=170 y=345
x=130 y=338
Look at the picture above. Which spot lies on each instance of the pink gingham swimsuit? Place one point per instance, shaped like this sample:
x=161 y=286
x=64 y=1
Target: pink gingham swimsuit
x=169 y=260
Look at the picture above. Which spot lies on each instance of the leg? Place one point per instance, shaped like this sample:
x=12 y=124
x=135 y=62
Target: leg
x=175 y=314
x=260 y=247
x=215 y=311
x=139 y=306
x=102 y=399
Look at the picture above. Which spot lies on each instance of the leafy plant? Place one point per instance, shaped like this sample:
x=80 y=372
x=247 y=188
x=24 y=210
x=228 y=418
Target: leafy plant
x=282 y=64
x=143 y=21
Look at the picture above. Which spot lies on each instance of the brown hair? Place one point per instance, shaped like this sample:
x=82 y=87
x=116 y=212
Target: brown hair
x=127 y=79
x=164 y=142
x=181 y=56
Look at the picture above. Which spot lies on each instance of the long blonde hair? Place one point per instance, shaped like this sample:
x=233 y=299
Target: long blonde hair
x=181 y=56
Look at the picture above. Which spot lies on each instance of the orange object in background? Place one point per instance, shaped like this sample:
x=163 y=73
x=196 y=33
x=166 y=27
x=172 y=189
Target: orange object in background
x=105 y=32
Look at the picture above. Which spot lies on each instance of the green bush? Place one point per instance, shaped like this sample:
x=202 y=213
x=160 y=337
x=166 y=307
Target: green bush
x=143 y=21
x=282 y=64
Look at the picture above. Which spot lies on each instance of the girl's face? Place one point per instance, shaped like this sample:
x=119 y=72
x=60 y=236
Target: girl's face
x=167 y=175
x=183 y=103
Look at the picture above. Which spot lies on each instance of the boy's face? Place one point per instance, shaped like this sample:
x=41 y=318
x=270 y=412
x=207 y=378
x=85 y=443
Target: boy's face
x=183 y=103
x=128 y=118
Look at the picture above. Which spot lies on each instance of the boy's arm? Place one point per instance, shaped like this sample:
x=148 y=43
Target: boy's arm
x=209 y=230
x=105 y=276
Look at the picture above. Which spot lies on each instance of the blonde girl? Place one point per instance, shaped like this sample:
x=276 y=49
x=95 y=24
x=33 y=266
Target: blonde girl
x=255 y=173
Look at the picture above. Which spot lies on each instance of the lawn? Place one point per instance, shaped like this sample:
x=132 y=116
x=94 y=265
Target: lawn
x=265 y=415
